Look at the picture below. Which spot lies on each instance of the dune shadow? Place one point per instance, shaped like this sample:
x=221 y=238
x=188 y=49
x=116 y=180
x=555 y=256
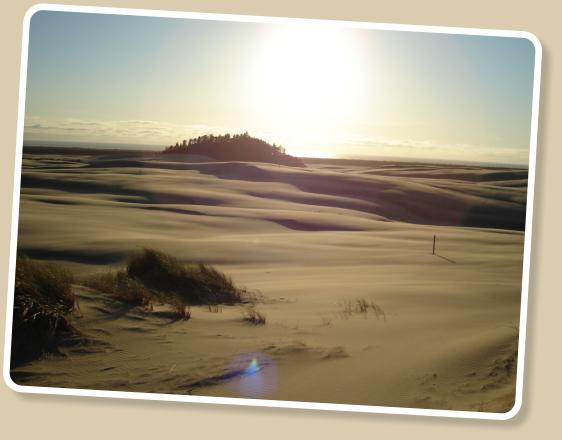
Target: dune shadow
x=76 y=256
x=169 y=316
x=297 y=225
x=445 y=258
x=406 y=199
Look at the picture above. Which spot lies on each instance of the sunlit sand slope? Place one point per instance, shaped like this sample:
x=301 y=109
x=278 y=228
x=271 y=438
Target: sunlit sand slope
x=316 y=242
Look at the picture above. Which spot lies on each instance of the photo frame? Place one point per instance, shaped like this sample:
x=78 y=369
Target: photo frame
x=252 y=374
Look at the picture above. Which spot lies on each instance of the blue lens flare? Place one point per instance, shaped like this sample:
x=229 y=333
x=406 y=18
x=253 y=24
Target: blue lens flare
x=252 y=368
x=257 y=375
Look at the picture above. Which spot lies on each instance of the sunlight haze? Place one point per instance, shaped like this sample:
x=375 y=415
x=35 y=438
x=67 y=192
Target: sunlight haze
x=318 y=90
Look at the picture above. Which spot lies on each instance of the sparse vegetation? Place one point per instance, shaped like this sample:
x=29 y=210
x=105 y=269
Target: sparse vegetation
x=122 y=287
x=43 y=300
x=238 y=147
x=153 y=276
x=379 y=312
x=193 y=284
x=182 y=311
x=254 y=317
x=214 y=308
x=362 y=306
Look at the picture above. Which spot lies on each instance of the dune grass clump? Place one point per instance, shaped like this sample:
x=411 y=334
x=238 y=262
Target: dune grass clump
x=121 y=287
x=252 y=316
x=363 y=307
x=43 y=301
x=182 y=312
x=153 y=276
x=379 y=312
x=193 y=284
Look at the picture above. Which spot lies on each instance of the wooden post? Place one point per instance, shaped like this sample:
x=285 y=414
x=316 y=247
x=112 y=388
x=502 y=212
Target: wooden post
x=434 y=245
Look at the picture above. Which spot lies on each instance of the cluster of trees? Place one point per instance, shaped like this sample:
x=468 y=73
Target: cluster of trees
x=238 y=147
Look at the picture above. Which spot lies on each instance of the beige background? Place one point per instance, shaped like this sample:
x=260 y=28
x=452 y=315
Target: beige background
x=62 y=417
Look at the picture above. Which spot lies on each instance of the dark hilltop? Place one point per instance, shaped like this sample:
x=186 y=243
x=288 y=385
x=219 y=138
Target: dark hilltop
x=238 y=147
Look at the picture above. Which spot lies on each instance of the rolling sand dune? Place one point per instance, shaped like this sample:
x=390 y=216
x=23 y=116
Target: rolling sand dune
x=313 y=241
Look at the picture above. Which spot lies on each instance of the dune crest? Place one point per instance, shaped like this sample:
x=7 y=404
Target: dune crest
x=339 y=256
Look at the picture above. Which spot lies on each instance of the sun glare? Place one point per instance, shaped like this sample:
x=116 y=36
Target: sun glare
x=310 y=152
x=308 y=76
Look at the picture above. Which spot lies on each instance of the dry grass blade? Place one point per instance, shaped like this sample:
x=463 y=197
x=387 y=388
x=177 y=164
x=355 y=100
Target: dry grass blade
x=43 y=302
x=182 y=312
x=362 y=307
x=121 y=287
x=214 y=308
x=252 y=316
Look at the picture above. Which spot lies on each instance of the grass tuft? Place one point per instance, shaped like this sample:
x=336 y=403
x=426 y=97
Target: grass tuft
x=252 y=316
x=215 y=308
x=121 y=287
x=182 y=312
x=194 y=284
x=153 y=276
x=379 y=312
x=43 y=301
x=361 y=306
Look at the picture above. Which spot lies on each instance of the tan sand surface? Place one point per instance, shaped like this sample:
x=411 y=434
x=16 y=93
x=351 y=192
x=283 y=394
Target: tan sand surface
x=313 y=241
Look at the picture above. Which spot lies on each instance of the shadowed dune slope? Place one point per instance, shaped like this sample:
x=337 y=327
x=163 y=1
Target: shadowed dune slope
x=438 y=331
x=481 y=197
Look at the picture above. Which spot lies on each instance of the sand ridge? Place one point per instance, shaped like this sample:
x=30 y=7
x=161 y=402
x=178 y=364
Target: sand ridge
x=313 y=241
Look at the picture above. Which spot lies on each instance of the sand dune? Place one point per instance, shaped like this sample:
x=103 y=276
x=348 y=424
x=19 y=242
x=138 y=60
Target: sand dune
x=313 y=240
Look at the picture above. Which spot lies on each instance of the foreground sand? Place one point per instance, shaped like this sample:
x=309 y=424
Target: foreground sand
x=312 y=241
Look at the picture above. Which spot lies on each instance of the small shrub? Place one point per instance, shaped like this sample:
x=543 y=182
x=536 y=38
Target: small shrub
x=254 y=317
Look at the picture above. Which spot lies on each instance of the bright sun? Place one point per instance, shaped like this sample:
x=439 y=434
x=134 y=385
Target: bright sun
x=308 y=77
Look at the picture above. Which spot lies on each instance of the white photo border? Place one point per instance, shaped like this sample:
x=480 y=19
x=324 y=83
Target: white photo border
x=262 y=402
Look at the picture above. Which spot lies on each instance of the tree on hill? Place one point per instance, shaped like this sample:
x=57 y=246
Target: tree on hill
x=237 y=147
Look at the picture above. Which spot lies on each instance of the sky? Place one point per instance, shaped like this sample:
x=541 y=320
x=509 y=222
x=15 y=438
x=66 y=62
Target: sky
x=319 y=90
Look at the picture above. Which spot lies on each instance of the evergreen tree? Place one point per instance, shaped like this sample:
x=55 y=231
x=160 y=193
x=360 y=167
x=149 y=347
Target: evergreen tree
x=237 y=147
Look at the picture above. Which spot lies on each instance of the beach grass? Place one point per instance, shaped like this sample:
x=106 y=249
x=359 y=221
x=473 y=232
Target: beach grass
x=152 y=276
x=43 y=301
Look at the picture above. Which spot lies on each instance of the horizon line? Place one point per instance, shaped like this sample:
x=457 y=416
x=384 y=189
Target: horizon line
x=158 y=148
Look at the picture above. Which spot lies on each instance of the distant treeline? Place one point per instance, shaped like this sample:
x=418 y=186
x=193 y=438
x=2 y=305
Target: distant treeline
x=238 y=147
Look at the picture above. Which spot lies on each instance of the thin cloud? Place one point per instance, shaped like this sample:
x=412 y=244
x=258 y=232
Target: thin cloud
x=160 y=133
x=140 y=131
